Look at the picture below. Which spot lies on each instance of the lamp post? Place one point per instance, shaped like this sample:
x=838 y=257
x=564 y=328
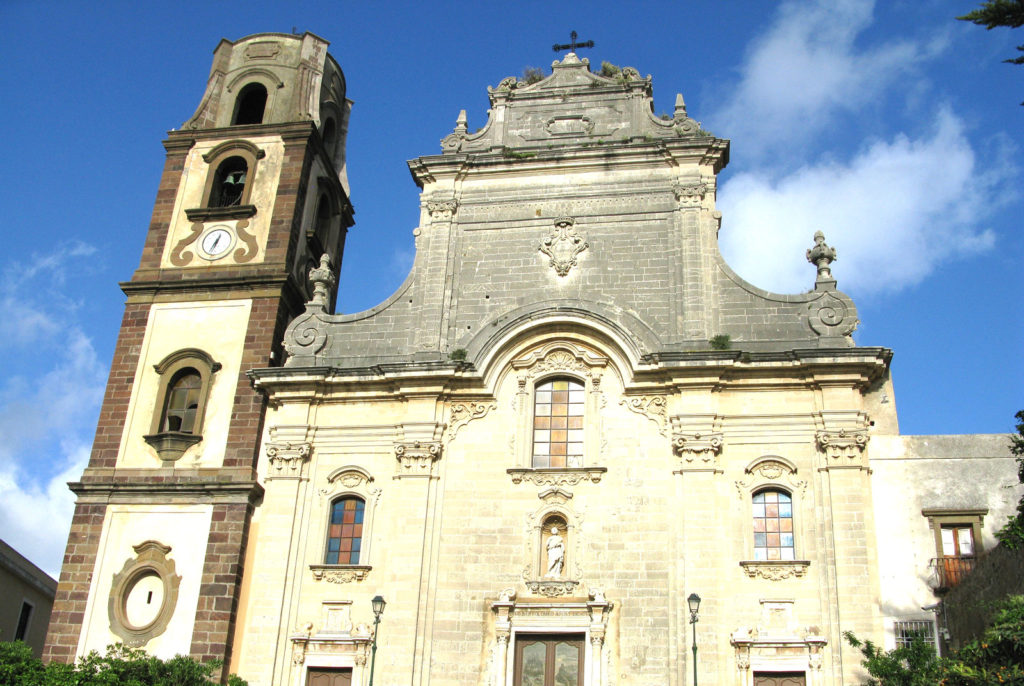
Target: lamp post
x=694 y=602
x=378 y=609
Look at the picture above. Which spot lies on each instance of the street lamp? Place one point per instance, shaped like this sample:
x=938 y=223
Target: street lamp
x=378 y=609
x=694 y=602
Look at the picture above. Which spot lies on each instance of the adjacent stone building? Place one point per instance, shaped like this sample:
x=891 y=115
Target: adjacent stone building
x=26 y=600
x=570 y=417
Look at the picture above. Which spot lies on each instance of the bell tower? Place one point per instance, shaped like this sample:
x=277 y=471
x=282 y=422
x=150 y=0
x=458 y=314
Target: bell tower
x=253 y=193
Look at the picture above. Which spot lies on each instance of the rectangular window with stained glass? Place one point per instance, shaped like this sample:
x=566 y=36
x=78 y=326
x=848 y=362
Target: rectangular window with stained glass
x=345 y=534
x=773 y=526
x=558 y=424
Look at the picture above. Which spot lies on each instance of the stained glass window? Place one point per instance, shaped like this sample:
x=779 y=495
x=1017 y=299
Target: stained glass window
x=773 y=526
x=345 y=536
x=558 y=424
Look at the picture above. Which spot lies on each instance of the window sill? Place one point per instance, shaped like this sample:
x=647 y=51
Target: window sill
x=171 y=445
x=775 y=570
x=339 y=574
x=206 y=214
x=566 y=476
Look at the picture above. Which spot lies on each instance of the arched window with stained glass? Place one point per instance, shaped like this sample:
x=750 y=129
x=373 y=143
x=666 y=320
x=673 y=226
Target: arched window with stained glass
x=773 y=525
x=558 y=424
x=345 y=531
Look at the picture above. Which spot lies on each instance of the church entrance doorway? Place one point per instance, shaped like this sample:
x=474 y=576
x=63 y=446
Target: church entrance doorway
x=549 y=660
x=328 y=676
x=780 y=679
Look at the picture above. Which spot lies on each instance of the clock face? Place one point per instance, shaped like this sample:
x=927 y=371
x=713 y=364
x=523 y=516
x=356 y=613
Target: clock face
x=216 y=242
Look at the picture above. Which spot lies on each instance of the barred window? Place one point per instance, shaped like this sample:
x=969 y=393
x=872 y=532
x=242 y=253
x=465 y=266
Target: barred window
x=345 y=534
x=182 y=401
x=773 y=525
x=558 y=424
x=907 y=631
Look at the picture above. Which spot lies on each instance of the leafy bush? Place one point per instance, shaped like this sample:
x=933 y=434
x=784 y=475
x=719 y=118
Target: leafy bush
x=120 y=665
x=1012 y=534
x=722 y=341
x=532 y=75
x=997 y=657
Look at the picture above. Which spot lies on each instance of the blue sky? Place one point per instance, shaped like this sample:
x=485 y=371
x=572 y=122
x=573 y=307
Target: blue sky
x=892 y=127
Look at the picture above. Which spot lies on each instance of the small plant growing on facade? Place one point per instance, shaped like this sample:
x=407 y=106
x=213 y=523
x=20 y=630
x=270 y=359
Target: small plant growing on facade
x=458 y=355
x=532 y=75
x=722 y=341
x=610 y=70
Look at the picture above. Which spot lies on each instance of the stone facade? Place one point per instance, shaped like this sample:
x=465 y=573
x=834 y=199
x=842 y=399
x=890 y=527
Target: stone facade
x=406 y=451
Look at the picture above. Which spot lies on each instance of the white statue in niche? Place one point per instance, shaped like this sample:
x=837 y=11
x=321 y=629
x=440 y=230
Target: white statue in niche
x=556 y=554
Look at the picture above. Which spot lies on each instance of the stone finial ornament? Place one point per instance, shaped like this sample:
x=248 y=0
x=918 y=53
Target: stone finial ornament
x=322 y=278
x=821 y=255
x=462 y=123
x=680 y=109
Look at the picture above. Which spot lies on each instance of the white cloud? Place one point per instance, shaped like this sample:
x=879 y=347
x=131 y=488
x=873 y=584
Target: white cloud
x=806 y=69
x=893 y=212
x=49 y=399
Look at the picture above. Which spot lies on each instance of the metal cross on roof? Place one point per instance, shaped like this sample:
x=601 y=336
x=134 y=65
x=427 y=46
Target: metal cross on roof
x=571 y=46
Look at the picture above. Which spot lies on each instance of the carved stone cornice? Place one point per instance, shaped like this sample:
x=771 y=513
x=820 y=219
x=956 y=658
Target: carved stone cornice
x=557 y=477
x=842 y=446
x=697 y=447
x=774 y=570
x=338 y=574
x=288 y=460
x=417 y=458
x=552 y=588
x=654 y=407
x=462 y=413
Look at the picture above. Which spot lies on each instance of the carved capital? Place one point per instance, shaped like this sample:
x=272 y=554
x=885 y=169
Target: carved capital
x=697 y=446
x=690 y=194
x=442 y=211
x=287 y=459
x=842 y=445
x=417 y=458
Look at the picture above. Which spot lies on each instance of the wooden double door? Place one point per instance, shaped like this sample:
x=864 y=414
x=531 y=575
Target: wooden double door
x=329 y=676
x=549 y=660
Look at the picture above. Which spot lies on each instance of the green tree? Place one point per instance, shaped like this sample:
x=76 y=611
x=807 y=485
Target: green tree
x=995 y=13
x=913 y=665
x=996 y=658
x=1012 y=535
x=119 y=666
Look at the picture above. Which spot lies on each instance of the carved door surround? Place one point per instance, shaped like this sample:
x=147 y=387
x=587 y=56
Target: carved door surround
x=335 y=644
x=778 y=644
x=512 y=618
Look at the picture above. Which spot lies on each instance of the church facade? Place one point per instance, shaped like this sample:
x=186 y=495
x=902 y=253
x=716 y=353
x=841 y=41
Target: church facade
x=571 y=418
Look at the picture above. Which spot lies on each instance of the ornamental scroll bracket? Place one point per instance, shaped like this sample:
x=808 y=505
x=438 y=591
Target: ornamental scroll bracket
x=417 y=458
x=562 y=245
x=462 y=413
x=287 y=460
x=654 y=407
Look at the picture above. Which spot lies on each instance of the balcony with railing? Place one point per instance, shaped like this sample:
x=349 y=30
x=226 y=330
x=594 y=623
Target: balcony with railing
x=949 y=571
